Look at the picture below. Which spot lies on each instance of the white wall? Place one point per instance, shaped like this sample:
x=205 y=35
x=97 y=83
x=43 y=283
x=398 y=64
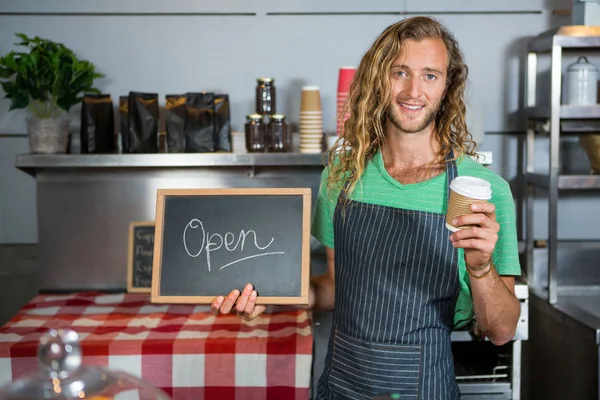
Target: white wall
x=171 y=47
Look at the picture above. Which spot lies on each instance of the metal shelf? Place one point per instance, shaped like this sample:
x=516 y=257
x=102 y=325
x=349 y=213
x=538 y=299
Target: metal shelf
x=570 y=244
x=566 y=182
x=32 y=162
x=554 y=120
x=580 y=127
x=566 y=112
x=568 y=37
x=486 y=389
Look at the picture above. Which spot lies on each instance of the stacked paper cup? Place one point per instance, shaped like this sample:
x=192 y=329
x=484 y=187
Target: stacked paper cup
x=345 y=77
x=311 y=121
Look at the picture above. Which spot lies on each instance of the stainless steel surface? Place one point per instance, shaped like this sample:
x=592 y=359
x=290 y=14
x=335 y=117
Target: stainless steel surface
x=555 y=96
x=567 y=182
x=486 y=396
x=529 y=200
x=31 y=162
x=577 y=268
x=585 y=309
x=579 y=127
x=498 y=373
x=547 y=40
x=527 y=190
x=83 y=213
x=531 y=76
x=565 y=111
x=564 y=352
x=519 y=194
x=486 y=389
x=517 y=359
x=580 y=244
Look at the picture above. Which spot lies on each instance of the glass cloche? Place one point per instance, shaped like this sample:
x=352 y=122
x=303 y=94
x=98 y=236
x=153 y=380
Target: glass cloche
x=61 y=376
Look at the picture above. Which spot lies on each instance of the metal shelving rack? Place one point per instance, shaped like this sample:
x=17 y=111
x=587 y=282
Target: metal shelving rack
x=563 y=120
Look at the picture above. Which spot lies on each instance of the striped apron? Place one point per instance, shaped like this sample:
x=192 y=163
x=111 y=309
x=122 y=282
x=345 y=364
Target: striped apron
x=396 y=286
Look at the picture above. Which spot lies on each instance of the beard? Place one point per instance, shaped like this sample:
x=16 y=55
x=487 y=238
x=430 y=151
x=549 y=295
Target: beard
x=410 y=127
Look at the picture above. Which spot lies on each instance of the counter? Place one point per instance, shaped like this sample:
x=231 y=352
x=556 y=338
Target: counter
x=565 y=345
x=86 y=202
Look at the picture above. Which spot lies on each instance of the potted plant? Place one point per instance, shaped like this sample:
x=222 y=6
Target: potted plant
x=48 y=79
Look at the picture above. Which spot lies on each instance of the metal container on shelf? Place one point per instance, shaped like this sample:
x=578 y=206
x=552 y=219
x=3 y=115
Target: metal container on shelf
x=582 y=83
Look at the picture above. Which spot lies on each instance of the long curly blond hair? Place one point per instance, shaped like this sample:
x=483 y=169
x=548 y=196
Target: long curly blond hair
x=363 y=133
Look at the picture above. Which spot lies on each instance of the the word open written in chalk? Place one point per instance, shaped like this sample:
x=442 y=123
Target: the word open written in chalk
x=212 y=242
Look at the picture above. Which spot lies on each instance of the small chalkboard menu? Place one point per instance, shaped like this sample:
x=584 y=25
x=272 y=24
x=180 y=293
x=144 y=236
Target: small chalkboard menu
x=211 y=241
x=140 y=256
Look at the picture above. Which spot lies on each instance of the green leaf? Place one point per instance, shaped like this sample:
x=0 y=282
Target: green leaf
x=67 y=103
x=18 y=101
x=9 y=61
x=6 y=73
x=22 y=36
x=9 y=87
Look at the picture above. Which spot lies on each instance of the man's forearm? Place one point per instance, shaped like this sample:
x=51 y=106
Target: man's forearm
x=497 y=310
x=322 y=293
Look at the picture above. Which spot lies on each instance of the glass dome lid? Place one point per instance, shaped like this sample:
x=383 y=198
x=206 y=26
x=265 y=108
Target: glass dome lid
x=62 y=376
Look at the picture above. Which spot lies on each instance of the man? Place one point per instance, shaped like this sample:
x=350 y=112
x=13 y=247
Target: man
x=399 y=279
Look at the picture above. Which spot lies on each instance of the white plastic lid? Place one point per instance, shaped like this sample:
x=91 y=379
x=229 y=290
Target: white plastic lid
x=310 y=88
x=472 y=187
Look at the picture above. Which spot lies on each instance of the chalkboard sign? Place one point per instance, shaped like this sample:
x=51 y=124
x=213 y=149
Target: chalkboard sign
x=211 y=241
x=140 y=257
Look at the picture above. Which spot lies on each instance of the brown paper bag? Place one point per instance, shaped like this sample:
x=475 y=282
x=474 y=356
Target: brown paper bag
x=591 y=144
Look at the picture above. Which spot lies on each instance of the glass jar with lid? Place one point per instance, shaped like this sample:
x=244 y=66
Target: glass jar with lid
x=265 y=96
x=278 y=138
x=62 y=376
x=255 y=133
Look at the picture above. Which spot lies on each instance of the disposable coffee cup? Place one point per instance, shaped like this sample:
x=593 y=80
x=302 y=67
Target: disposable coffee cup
x=464 y=191
x=310 y=99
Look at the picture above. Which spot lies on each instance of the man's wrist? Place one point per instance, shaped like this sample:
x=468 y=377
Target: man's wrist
x=480 y=272
x=478 y=269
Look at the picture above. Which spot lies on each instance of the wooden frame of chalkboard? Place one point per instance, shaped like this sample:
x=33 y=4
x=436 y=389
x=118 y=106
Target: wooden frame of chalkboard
x=166 y=288
x=131 y=287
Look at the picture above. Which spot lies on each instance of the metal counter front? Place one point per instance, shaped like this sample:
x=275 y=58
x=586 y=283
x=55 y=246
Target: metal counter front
x=564 y=346
x=86 y=202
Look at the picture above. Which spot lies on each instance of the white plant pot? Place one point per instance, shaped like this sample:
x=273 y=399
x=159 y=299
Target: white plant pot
x=48 y=136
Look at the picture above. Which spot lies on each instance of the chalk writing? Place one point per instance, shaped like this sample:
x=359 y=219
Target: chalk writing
x=215 y=241
x=144 y=236
x=140 y=251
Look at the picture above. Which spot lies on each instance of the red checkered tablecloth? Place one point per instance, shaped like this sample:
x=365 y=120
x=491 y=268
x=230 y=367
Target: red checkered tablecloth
x=183 y=349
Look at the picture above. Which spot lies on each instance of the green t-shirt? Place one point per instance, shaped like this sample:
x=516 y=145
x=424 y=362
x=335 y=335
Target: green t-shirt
x=376 y=186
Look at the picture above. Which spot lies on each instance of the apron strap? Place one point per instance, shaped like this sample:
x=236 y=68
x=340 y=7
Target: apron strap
x=344 y=191
x=451 y=169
